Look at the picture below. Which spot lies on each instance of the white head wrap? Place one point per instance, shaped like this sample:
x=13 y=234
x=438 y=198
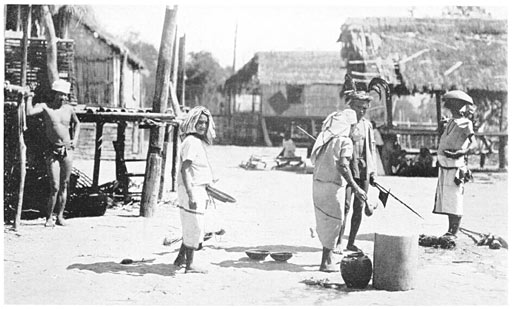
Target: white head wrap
x=336 y=124
x=188 y=126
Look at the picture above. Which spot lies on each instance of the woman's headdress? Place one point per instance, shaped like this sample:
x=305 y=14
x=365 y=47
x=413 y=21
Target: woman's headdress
x=188 y=126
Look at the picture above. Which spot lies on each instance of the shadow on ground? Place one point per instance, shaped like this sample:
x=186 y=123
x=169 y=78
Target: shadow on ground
x=135 y=269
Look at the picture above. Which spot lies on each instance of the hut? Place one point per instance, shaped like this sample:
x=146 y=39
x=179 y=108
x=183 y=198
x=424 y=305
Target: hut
x=103 y=73
x=275 y=91
x=427 y=57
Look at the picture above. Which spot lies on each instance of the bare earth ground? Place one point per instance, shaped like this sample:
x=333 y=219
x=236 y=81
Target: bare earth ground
x=80 y=264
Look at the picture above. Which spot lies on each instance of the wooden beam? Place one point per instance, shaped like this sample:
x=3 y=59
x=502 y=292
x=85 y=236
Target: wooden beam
x=415 y=55
x=452 y=68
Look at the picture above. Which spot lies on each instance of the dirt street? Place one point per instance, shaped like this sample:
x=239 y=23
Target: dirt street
x=80 y=264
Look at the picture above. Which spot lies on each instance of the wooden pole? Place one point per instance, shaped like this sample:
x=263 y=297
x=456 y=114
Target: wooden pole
x=502 y=156
x=51 y=45
x=119 y=146
x=154 y=159
x=22 y=118
x=438 y=113
x=389 y=113
x=122 y=73
x=234 y=48
x=97 y=154
x=175 y=141
x=176 y=108
x=181 y=72
x=163 y=183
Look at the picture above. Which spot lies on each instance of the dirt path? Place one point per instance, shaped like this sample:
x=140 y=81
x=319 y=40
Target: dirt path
x=80 y=264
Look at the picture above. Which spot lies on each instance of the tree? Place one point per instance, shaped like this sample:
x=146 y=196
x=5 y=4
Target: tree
x=149 y=56
x=204 y=80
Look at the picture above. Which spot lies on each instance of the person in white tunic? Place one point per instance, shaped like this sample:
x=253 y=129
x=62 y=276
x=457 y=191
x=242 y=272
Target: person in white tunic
x=331 y=156
x=197 y=132
x=454 y=144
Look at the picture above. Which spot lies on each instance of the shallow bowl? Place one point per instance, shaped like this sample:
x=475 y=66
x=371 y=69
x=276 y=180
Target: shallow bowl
x=281 y=256
x=257 y=254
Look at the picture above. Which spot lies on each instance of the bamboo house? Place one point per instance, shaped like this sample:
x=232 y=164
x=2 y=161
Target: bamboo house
x=275 y=91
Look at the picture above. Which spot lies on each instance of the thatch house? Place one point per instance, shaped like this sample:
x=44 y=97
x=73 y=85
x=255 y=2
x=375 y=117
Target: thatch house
x=432 y=56
x=275 y=91
x=429 y=55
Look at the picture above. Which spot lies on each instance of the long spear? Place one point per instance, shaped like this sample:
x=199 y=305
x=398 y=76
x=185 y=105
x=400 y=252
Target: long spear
x=396 y=198
x=306 y=132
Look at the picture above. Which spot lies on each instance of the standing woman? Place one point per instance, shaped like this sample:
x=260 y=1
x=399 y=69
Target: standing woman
x=453 y=146
x=197 y=132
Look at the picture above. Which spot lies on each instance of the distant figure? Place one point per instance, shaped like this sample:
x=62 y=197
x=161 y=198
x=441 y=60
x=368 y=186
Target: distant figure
x=287 y=155
x=453 y=147
x=331 y=157
x=401 y=166
x=61 y=127
x=422 y=165
x=197 y=132
x=288 y=146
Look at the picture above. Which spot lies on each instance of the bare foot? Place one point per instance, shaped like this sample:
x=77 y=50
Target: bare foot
x=49 y=223
x=353 y=248
x=180 y=261
x=61 y=222
x=338 y=250
x=195 y=270
x=329 y=268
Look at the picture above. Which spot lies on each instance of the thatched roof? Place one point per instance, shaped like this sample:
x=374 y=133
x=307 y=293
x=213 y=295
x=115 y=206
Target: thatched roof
x=297 y=68
x=112 y=43
x=432 y=53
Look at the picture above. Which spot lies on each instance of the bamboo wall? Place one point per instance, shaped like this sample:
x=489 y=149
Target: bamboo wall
x=317 y=100
x=36 y=64
x=135 y=147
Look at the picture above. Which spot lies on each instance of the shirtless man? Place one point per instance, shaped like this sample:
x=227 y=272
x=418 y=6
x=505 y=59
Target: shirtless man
x=61 y=127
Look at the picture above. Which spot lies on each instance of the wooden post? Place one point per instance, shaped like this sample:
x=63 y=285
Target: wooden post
x=175 y=135
x=119 y=146
x=51 y=45
x=97 y=154
x=176 y=108
x=181 y=72
x=21 y=119
x=154 y=158
x=122 y=83
x=164 y=162
x=438 y=113
x=502 y=155
x=389 y=113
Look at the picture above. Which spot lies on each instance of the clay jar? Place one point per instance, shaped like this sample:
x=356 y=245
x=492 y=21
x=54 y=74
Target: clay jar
x=356 y=270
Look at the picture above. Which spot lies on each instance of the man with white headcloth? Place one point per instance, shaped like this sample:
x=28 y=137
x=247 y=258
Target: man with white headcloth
x=195 y=173
x=61 y=127
x=331 y=157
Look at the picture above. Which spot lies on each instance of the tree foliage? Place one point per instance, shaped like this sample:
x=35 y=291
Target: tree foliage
x=204 y=80
x=149 y=56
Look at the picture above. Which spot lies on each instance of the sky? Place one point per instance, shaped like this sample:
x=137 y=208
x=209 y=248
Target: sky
x=263 y=25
